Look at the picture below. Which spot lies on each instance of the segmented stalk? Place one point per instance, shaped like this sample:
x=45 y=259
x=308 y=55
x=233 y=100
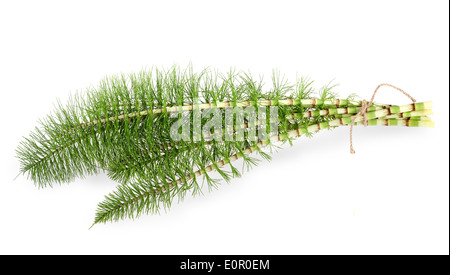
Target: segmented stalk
x=308 y=115
x=307 y=103
x=348 y=111
x=106 y=211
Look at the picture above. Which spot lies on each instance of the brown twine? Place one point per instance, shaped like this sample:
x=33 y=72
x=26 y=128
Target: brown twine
x=365 y=106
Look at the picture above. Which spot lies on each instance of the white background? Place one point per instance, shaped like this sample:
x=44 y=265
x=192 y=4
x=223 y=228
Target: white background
x=391 y=197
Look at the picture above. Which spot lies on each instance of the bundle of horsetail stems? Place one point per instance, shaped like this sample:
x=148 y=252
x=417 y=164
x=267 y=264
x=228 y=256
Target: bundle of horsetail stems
x=159 y=133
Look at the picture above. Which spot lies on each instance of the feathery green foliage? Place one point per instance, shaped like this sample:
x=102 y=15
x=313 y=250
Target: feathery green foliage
x=125 y=127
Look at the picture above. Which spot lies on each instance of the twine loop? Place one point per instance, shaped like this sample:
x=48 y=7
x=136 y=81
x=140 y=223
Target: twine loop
x=365 y=106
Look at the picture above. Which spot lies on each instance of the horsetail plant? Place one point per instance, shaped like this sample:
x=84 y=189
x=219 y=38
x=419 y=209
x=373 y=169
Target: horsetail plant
x=159 y=132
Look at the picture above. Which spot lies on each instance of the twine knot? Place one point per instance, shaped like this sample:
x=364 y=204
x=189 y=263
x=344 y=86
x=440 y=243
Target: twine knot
x=365 y=106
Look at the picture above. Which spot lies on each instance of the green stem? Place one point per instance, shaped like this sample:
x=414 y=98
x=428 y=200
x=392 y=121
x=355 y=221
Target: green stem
x=155 y=190
x=308 y=103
